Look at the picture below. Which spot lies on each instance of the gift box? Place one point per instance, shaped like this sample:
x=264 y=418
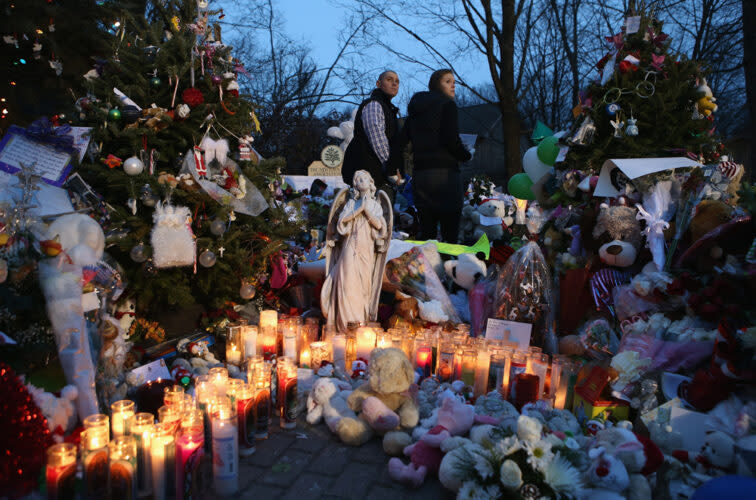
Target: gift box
x=589 y=403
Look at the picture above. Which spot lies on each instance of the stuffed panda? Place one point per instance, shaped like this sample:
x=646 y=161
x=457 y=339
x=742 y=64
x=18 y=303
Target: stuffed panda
x=466 y=271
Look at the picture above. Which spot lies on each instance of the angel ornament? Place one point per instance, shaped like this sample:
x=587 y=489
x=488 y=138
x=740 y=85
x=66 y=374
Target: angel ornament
x=357 y=239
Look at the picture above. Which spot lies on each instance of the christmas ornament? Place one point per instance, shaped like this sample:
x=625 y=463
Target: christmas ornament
x=218 y=227
x=247 y=291
x=133 y=166
x=207 y=258
x=150 y=53
x=584 y=134
x=132 y=204
x=632 y=127
x=617 y=124
x=199 y=162
x=149 y=199
x=130 y=114
x=612 y=109
x=114 y=114
x=202 y=4
x=155 y=82
x=193 y=97
x=233 y=88
x=216 y=80
x=138 y=253
x=182 y=111
x=172 y=239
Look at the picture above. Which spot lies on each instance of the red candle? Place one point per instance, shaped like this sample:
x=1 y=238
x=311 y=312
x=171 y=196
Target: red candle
x=525 y=389
x=189 y=452
x=287 y=392
x=245 y=411
x=423 y=355
x=61 y=471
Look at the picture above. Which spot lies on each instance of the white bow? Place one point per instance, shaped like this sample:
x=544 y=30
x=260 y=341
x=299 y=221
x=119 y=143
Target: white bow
x=214 y=150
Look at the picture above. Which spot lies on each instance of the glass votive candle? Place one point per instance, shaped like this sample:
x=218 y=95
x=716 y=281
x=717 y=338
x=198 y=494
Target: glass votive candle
x=498 y=370
x=365 y=341
x=189 y=450
x=287 y=392
x=481 y=368
x=225 y=448
x=339 y=343
x=219 y=378
x=469 y=363
x=423 y=358
x=538 y=365
x=289 y=343
x=170 y=415
x=163 y=460
x=308 y=334
x=319 y=352
x=123 y=468
x=268 y=332
x=328 y=332
x=233 y=385
x=120 y=414
x=245 y=411
x=61 y=471
x=234 y=345
x=204 y=389
x=94 y=457
x=445 y=370
x=141 y=430
x=261 y=385
x=97 y=420
x=249 y=340
x=173 y=394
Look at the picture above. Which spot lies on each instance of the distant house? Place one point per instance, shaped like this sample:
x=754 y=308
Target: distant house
x=484 y=120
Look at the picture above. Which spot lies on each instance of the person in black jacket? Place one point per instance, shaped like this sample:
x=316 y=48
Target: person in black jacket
x=375 y=127
x=432 y=129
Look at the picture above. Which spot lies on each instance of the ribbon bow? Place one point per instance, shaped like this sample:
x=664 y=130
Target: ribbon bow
x=42 y=130
x=655 y=224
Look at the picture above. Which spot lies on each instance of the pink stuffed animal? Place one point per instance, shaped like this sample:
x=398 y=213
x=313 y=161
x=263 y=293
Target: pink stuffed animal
x=455 y=418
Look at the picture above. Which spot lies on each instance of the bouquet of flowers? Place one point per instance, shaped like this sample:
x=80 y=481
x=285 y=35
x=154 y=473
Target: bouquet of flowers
x=522 y=464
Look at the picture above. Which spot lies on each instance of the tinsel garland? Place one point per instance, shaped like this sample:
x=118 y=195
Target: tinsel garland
x=24 y=437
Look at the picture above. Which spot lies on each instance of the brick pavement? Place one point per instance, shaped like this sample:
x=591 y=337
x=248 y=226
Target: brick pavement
x=309 y=462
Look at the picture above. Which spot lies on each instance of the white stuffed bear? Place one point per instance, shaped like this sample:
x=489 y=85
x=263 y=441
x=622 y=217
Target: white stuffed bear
x=328 y=401
x=487 y=219
x=606 y=475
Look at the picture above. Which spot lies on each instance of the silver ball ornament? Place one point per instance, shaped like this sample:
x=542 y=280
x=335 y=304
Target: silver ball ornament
x=207 y=258
x=247 y=291
x=218 y=227
x=138 y=253
x=133 y=166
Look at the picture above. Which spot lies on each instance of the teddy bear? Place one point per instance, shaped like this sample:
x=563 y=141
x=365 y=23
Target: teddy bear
x=382 y=402
x=327 y=400
x=706 y=103
x=716 y=456
x=606 y=475
x=454 y=418
x=620 y=234
x=487 y=219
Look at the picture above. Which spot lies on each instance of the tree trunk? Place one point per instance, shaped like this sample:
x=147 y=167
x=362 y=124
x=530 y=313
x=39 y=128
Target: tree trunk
x=510 y=121
x=749 y=65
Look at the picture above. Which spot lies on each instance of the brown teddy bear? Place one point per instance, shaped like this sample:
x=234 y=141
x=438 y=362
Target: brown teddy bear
x=619 y=233
x=382 y=403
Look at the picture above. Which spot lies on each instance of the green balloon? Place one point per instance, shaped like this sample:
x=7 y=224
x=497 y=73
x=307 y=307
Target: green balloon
x=548 y=150
x=519 y=186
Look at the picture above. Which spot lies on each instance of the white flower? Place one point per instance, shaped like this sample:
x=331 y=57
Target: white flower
x=470 y=490
x=510 y=475
x=507 y=446
x=483 y=464
x=642 y=285
x=562 y=477
x=539 y=453
x=528 y=429
x=492 y=492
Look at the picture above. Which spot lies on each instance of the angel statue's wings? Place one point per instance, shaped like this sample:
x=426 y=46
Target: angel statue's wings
x=381 y=251
x=333 y=248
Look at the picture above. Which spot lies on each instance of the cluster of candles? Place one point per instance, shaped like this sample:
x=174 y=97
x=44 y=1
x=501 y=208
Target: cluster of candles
x=130 y=455
x=522 y=376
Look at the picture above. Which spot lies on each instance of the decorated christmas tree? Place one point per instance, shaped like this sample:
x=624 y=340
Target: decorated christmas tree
x=190 y=206
x=648 y=101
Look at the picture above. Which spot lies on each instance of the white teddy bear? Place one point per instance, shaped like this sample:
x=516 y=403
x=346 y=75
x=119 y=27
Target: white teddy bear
x=327 y=400
x=487 y=218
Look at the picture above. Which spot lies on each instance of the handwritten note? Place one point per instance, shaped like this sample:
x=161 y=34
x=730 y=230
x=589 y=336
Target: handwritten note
x=509 y=331
x=51 y=165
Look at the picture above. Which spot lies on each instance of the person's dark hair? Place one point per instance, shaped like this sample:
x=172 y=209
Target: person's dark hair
x=386 y=72
x=435 y=79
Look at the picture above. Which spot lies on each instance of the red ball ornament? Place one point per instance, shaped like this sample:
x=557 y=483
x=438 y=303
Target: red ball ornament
x=193 y=97
x=24 y=439
x=234 y=93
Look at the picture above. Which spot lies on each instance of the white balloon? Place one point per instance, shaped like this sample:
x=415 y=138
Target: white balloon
x=533 y=166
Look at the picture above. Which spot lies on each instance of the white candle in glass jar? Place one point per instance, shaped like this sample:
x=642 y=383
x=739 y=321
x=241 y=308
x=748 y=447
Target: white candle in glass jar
x=121 y=412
